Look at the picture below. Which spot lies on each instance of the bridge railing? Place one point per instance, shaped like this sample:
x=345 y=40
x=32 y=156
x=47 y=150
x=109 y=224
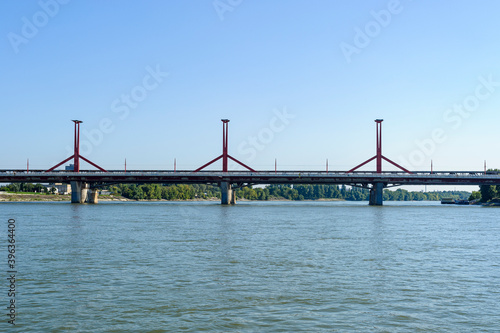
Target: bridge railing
x=269 y=173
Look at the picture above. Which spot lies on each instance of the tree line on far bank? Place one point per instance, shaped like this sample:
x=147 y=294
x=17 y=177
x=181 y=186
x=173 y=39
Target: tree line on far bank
x=27 y=188
x=273 y=192
x=270 y=192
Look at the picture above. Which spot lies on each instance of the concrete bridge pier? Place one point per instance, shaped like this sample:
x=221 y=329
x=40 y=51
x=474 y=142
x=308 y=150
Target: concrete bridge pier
x=377 y=194
x=227 y=194
x=82 y=193
x=93 y=196
x=79 y=192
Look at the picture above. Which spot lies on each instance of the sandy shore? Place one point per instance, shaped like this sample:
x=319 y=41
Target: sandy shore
x=16 y=197
x=22 y=197
x=4 y=196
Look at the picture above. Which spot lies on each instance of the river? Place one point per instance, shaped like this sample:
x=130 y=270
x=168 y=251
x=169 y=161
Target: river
x=253 y=267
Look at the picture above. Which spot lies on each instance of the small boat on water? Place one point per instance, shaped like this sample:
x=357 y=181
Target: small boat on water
x=462 y=202
x=451 y=201
x=448 y=201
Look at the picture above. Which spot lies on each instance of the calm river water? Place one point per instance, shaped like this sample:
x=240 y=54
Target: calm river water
x=253 y=267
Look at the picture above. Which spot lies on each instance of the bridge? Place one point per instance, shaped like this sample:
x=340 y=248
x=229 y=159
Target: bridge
x=85 y=184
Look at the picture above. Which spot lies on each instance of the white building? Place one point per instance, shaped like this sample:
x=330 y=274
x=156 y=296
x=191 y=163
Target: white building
x=60 y=188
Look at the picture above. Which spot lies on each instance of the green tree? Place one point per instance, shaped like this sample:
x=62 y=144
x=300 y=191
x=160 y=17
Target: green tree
x=138 y=193
x=38 y=188
x=475 y=195
x=128 y=191
x=15 y=187
x=488 y=192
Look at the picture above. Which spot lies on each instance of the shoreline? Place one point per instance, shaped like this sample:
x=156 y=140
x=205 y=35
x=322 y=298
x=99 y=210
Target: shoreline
x=22 y=197
x=28 y=197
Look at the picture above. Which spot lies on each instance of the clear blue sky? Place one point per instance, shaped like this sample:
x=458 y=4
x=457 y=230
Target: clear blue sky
x=301 y=81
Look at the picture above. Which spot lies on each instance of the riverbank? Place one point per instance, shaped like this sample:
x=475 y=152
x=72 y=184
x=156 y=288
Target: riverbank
x=492 y=203
x=28 y=197
x=44 y=197
x=6 y=196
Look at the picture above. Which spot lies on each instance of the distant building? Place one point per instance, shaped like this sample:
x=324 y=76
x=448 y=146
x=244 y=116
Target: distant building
x=60 y=188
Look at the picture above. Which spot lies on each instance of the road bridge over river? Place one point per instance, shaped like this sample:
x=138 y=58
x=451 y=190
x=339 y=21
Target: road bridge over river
x=93 y=180
x=86 y=184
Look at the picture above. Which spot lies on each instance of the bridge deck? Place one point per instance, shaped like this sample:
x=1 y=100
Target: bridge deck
x=248 y=177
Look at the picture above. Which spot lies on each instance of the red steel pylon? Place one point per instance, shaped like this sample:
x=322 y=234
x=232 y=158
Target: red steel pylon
x=225 y=155
x=379 y=155
x=76 y=156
